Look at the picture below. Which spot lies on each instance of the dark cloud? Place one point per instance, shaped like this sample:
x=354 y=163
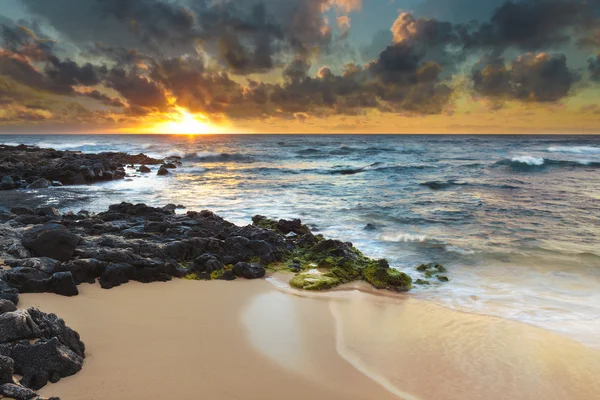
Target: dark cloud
x=19 y=69
x=148 y=24
x=68 y=73
x=531 y=77
x=137 y=89
x=458 y=11
x=104 y=99
x=534 y=24
x=157 y=54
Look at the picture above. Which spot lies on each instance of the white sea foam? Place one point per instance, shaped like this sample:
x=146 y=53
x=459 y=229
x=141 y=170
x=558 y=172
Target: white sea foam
x=575 y=149
x=529 y=160
x=404 y=237
x=63 y=146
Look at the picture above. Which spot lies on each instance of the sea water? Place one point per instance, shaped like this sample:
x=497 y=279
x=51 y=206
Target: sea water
x=515 y=219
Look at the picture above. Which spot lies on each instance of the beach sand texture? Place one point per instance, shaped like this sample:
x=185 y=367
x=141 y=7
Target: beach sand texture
x=250 y=340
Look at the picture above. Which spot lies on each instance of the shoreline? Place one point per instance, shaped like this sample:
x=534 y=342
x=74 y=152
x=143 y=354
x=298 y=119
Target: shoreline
x=326 y=346
x=130 y=241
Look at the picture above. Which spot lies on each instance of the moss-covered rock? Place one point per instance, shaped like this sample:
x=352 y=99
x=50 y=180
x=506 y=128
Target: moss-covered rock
x=387 y=278
x=432 y=270
x=433 y=267
x=422 y=282
x=314 y=281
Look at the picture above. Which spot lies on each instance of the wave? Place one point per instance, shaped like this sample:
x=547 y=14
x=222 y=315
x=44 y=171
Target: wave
x=525 y=163
x=218 y=157
x=438 y=185
x=459 y=250
x=575 y=149
x=377 y=167
x=309 y=151
x=404 y=237
x=68 y=146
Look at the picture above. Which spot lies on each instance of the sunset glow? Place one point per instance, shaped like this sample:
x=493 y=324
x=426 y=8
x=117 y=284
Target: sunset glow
x=186 y=123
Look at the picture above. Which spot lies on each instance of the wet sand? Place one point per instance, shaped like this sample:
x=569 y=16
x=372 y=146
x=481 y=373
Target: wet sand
x=250 y=340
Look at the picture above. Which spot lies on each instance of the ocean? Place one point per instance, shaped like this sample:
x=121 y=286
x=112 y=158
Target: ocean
x=515 y=219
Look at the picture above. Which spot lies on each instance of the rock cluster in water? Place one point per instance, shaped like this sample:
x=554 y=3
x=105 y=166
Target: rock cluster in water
x=36 y=168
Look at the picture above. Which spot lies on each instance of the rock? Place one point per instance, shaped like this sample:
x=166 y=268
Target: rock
x=51 y=240
x=51 y=326
x=227 y=275
x=39 y=184
x=8 y=293
x=249 y=271
x=7 y=183
x=46 y=361
x=32 y=280
x=443 y=278
x=47 y=212
x=162 y=171
x=314 y=281
x=7 y=366
x=295 y=226
x=7 y=306
x=169 y=166
x=26 y=280
x=144 y=169
x=56 y=183
x=16 y=392
x=387 y=278
x=5 y=216
x=115 y=275
x=33 y=219
x=206 y=263
x=85 y=270
x=17 y=325
x=178 y=250
x=44 y=264
x=62 y=283
x=22 y=211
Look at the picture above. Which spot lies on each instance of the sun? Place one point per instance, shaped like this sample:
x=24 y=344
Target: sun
x=185 y=123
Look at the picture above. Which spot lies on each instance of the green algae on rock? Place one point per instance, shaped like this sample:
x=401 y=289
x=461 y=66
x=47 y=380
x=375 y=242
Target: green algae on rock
x=342 y=261
x=432 y=270
x=314 y=280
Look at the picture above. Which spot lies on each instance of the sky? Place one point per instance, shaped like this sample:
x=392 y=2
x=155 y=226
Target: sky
x=299 y=66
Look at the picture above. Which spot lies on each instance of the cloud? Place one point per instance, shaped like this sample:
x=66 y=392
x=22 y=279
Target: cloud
x=531 y=77
x=138 y=90
x=144 y=57
x=344 y=23
x=101 y=97
x=534 y=24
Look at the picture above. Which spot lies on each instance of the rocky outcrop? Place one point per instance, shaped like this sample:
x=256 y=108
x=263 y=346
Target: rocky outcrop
x=35 y=168
x=51 y=240
x=39 y=347
x=135 y=242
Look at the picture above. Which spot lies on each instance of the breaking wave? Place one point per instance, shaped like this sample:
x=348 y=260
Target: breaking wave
x=524 y=163
x=575 y=149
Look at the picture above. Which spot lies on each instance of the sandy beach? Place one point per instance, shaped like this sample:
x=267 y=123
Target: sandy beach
x=252 y=340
